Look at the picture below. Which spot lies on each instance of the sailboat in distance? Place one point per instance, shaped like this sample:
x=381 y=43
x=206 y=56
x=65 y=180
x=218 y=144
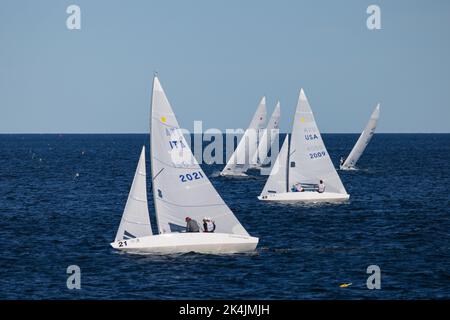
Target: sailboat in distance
x=362 y=142
x=180 y=189
x=269 y=134
x=239 y=161
x=303 y=171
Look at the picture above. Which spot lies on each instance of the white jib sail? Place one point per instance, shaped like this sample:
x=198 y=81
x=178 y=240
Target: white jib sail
x=277 y=181
x=309 y=161
x=239 y=161
x=180 y=187
x=135 y=221
x=363 y=140
x=268 y=137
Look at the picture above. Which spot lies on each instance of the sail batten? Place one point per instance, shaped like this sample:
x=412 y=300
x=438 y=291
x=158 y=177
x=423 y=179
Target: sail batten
x=167 y=164
x=193 y=206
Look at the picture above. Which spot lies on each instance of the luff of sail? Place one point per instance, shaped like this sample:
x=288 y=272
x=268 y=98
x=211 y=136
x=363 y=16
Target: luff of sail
x=135 y=221
x=309 y=161
x=268 y=137
x=239 y=161
x=363 y=140
x=180 y=187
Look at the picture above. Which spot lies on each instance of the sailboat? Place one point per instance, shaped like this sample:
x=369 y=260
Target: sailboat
x=267 y=139
x=362 y=142
x=180 y=189
x=302 y=163
x=239 y=161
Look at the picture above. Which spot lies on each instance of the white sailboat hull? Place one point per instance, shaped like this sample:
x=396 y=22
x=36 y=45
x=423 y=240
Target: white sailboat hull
x=200 y=242
x=233 y=174
x=347 y=168
x=305 y=197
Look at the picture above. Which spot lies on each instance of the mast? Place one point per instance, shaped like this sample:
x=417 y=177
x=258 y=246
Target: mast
x=287 y=163
x=289 y=150
x=151 y=153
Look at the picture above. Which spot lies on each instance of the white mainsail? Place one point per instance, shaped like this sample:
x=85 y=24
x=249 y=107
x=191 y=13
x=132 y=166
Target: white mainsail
x=277 y=181
x=303 y=162
x=363 y=140
x=135 y=221
x=239 y=161
x=268 y=137
x=180 y=187
x=309 y=161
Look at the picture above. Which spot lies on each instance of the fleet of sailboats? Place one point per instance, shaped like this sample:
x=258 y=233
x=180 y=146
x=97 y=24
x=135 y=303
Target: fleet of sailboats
x=302 y=172
x=253 y=148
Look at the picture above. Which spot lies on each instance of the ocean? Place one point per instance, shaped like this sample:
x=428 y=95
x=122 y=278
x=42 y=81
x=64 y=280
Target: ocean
x=62 y=198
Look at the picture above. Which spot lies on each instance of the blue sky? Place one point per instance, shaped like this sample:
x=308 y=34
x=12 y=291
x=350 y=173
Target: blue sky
x=217 y=58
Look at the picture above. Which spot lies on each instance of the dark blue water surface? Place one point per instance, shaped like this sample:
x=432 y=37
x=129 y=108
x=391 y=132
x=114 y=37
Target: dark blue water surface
x=62 y=198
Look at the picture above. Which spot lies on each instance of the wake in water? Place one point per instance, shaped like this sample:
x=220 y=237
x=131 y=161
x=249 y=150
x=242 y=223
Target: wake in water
x=353 y=169
x=216 y=174
x=184 y=255
x=276 y=250
x=286 y=205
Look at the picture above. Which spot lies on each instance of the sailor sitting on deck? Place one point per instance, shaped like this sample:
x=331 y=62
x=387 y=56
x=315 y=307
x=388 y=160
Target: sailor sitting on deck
x=208 y=225
x=191 y=225
x=341 y=162
x=321 y=187
x=297 y=188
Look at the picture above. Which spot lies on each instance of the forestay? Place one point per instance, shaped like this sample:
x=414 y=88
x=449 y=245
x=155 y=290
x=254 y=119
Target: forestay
x=180 y=187
x=363 y=140
x=309 y=161
x=135 y=221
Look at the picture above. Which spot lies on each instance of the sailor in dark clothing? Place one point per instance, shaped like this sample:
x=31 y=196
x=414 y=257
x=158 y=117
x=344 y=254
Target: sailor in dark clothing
x=208 y=225
x=297 y=188
x=191 y=225
x=321 y=187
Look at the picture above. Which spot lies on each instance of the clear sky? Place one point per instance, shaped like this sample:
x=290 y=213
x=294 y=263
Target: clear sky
x=217 y=58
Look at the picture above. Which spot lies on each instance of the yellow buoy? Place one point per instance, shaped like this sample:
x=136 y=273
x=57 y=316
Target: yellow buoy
x=345 y=285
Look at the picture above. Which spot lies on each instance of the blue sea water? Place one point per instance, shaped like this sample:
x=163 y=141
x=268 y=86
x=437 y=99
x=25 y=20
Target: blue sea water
x=62 y=198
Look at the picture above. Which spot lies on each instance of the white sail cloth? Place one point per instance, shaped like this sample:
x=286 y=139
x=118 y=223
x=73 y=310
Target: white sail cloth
x=135 y=221
x=304 y=159
x=180 y=187
x=309 y=161
x=363 y=140
x=239 y=161
x=277 y=181
x=269 y=134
